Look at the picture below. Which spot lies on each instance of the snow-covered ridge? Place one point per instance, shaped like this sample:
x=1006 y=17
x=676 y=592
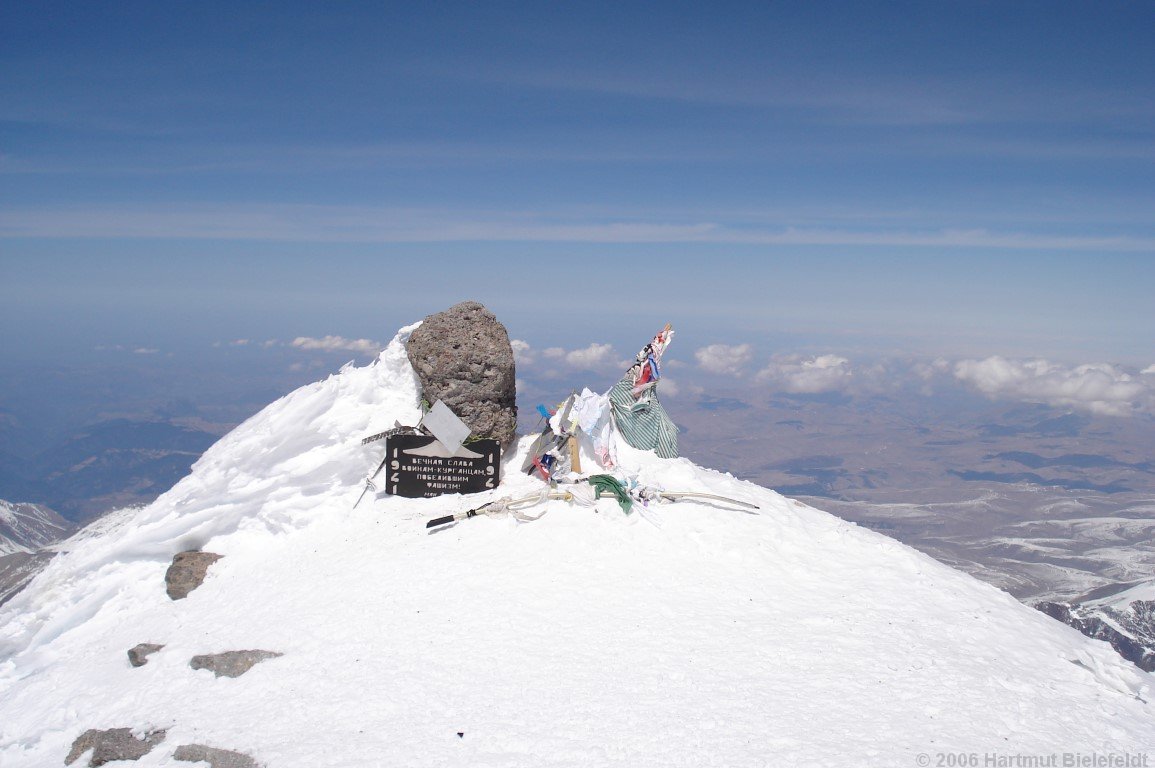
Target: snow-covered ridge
x=28 y=527
x=693 y=635
x=262 y=476
x=1125 y=619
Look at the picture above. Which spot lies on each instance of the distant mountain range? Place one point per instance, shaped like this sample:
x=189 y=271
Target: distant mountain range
x=29 y=528
x=1125 y=619
x=25 y=530
x=108 y=465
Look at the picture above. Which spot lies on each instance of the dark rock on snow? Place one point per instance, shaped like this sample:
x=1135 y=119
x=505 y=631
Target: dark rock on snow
x=462 y=356
x=187 y=572
x=138 y=656
x=113 y=744
x=217 y=758
x=231 y=663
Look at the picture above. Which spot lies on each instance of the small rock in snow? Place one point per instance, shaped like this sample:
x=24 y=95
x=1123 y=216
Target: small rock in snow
x=187 y=572
x=231 y=663
x=138 y=656
x=113 y=744
x=217 y=758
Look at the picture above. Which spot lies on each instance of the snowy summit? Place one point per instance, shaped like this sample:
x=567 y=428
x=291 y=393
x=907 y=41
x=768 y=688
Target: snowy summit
x=694 y=634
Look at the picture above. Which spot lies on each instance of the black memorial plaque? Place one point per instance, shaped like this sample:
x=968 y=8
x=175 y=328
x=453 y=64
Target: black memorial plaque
x=418 y=467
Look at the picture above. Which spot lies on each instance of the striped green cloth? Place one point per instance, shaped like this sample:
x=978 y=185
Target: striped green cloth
x=643 y=423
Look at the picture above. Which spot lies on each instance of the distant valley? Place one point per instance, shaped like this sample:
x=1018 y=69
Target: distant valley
x=111 y=464
x=1042 y=503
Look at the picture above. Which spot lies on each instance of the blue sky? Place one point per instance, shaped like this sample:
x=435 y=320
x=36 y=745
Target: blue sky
x=945 y=178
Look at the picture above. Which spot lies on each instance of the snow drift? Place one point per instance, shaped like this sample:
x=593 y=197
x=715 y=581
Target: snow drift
x=692 y=636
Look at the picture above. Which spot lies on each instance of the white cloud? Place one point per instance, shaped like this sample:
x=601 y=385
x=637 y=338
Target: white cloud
x=1148 y=371
x=927 y=375
x=239 y=343
x=1099 y=388
x=522 y=352
x=807 y=375
x=725 y=359
x=594 y=356
x=928 y=371
x=337 y=343
x=667 y=387
x=559 y=362
x=145 y=351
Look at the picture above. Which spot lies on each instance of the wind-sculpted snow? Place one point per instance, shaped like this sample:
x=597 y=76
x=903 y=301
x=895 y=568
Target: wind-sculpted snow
x=693 y=634
x=265 y=475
